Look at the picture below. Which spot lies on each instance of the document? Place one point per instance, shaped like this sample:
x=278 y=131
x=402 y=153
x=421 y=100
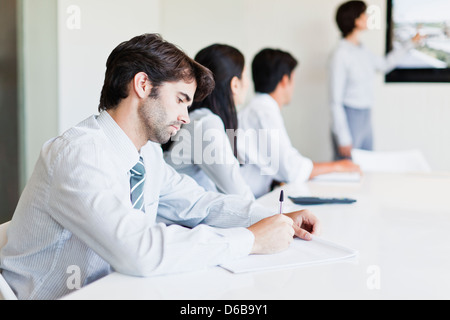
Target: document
x=300 y=253
x=391 y=161
x=338 y=177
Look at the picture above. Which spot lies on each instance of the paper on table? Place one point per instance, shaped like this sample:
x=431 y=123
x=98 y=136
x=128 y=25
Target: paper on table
x=391 y=161
x=300 y=253
x=339 y=177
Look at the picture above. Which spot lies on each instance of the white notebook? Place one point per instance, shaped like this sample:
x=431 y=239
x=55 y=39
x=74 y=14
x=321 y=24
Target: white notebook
x=300 y=253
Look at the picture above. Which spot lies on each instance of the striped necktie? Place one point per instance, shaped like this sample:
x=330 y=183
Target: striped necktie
x=137 y=185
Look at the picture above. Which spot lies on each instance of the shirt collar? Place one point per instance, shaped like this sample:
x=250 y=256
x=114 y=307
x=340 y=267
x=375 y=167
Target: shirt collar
x=268 y=100
x=126 y=150
x=351 y=45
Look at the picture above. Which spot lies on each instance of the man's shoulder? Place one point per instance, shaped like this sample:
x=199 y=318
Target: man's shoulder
x=260 y=106
x=85 y=134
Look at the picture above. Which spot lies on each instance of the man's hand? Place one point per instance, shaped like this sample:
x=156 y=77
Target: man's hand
x=273 y=234
x=305 y=224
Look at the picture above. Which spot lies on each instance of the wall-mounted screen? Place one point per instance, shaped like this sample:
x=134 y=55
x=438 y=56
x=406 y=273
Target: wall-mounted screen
x=430 y=60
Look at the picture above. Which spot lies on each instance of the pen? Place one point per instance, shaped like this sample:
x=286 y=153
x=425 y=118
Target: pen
x=281 y=201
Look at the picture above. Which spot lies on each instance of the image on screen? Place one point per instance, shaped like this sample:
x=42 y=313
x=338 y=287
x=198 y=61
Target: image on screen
x=430 y=18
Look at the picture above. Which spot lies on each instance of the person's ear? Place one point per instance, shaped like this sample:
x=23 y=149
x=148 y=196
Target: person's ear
x=141 y=85
x=235 y=84
x=285 y=81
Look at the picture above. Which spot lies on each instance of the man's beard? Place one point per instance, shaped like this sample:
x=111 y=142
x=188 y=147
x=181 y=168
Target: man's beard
x=153 y=120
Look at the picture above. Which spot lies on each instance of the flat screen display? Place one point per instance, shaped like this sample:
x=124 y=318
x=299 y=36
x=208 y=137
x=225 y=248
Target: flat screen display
x=430 y=60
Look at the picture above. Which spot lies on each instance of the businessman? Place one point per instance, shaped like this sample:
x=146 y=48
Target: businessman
x=273 y=73
x=102 y=199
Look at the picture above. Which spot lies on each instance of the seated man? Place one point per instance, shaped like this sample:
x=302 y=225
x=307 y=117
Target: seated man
x=102 y=199
x=270 y=155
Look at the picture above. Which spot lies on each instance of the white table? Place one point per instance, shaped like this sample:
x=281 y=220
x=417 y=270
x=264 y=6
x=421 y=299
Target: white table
x=400 y=225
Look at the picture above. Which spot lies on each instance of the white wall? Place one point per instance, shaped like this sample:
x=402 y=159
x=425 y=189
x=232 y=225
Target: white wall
x=65 y=45
x=88 y=30
x=406 y=115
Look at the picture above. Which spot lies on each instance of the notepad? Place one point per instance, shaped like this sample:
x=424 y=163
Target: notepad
x=300 y=253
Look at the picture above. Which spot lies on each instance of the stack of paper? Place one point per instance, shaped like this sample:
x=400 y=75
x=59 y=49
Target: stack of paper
x=300 y=253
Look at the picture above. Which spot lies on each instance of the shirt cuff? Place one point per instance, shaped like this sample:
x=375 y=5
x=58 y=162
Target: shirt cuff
x=306 y=168
x=258 y=212
x=344 y=139
x=240 y=241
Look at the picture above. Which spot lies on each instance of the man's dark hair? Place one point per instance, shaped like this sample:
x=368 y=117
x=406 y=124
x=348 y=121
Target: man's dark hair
x=346 y=15
x=268 y=68
x=160 y=60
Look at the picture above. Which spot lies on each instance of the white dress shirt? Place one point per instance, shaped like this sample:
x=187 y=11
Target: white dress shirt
x=352 y=71
x=265 y=148
x=75 y=214
x=202 y=150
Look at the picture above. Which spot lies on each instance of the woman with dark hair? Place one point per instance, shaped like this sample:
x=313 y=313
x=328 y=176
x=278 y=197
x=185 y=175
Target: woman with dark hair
x=205 y=149
x=351 y=75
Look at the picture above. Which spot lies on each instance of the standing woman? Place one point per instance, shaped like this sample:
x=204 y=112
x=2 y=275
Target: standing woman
x=351 y=75
x=202 y=149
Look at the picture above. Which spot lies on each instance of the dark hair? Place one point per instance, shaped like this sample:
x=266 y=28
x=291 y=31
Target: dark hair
x=346 y=15
x=160 y=60
x=268 y=68
x=225 y=62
